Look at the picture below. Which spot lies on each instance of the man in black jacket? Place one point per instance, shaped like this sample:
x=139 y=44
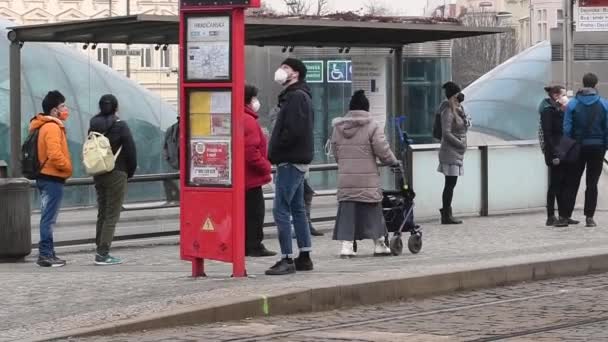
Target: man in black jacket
x=291 y=150
x=111 y=187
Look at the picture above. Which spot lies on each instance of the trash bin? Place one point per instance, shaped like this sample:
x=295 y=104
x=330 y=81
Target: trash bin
x=15 y=219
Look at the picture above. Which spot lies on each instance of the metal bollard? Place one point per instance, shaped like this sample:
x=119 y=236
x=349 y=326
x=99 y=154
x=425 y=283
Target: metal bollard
x=15 y=219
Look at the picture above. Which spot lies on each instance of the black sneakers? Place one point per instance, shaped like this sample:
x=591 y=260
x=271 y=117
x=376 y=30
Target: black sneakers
x=282 y=267
x=562 y=222
x=590 y=222
x=259 y=252
x=551 y=221
x=315 y=232
x=52 y=261
x=303 y=262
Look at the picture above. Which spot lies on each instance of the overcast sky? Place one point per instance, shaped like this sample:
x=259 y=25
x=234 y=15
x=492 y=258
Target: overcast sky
x=402 y=7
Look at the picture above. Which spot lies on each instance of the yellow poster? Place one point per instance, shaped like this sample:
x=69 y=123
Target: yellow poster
x=200 y=114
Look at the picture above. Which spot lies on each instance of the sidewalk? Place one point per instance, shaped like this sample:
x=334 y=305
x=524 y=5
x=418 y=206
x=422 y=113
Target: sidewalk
x=153 y=280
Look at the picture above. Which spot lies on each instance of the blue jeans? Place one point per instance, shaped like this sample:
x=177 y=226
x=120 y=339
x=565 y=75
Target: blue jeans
x=288 y=203
x=51 y=194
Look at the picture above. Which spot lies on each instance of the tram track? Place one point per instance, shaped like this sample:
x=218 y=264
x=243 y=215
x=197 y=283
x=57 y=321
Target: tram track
x=404 y=317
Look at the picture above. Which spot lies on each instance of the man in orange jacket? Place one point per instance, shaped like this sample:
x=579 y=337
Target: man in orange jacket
x=56 y=167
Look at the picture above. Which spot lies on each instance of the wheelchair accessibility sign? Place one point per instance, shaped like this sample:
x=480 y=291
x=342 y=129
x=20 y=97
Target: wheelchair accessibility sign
x=339 y=71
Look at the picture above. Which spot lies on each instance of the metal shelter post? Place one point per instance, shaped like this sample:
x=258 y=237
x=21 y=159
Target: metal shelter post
x=397 y=109
x=15 y=106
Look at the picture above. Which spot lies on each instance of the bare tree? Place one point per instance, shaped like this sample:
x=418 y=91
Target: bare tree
x=473 y=57
x=376 y=9
x=322 y=8
x=297 y=7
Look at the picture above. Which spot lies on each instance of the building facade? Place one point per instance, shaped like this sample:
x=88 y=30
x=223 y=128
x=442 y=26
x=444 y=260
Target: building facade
x=153 y=67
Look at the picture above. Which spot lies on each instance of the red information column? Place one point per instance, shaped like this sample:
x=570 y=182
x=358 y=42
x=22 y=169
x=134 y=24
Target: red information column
x=212 y=153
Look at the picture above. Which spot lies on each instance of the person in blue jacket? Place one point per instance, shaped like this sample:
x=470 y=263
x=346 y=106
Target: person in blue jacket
x=586 y=120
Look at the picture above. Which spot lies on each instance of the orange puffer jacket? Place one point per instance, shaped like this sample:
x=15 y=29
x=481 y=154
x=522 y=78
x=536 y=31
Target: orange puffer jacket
x=53 y=152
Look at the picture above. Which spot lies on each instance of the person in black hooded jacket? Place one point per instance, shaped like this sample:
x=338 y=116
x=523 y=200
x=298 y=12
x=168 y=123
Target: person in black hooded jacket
x=111 y=187
x=551 y=112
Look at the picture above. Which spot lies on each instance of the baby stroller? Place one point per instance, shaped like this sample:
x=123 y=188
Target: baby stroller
x=398 y=205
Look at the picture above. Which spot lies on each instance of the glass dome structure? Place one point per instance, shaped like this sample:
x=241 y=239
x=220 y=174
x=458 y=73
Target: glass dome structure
x=505 y=100
x=83 y=81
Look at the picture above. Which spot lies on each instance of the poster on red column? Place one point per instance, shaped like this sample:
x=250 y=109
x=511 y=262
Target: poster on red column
x=210 y=162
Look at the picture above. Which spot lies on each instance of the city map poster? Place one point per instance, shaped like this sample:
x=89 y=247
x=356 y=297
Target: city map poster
x=208 y=48
x=210 y=162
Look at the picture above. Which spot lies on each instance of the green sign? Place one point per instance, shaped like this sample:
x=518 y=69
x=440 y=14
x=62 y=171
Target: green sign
x=315 y=71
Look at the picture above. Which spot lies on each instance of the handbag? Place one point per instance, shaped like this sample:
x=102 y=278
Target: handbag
x=568 y=150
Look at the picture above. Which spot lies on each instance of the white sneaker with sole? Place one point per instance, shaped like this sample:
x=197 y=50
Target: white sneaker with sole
x=347 y=250
x=380 y=248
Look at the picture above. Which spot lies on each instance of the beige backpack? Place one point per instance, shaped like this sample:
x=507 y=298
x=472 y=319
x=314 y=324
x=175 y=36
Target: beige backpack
x=97 y=155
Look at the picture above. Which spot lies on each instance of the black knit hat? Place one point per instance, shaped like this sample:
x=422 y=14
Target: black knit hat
x=359 y=101
x=296 y=65
x=52 y=100
x=451 y=89
x=108 y=104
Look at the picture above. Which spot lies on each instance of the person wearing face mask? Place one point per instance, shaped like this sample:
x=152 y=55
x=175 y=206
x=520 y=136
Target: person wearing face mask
x=551 y=130
x=291 y=150
x=454 y=126
x=56 y=167
x=257 y=174
x=111 y=187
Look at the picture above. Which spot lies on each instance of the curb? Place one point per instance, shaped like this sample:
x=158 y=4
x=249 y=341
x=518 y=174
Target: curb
x=307 y=300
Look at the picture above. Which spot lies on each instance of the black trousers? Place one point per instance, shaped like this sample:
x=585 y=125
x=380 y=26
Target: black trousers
x=592 y=160
x=448 y=191
x=255 y=209
x=554 y=192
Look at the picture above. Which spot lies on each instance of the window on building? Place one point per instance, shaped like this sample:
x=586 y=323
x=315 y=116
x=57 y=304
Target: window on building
x=539 y=36
x=545 y=32
x=146 y=58
x=544 y=15
x=165 y=58
x=103 y=55
x=560 y=14
x=539 y=15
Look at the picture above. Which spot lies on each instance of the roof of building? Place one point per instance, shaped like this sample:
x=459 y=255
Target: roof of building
x=338 y=30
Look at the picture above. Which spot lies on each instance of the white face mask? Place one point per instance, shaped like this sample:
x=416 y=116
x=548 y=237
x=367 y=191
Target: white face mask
x=563 y=100
x=281 y=76
x=255 y=105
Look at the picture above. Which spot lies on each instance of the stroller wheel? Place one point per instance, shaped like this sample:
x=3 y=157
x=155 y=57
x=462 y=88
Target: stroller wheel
x=396 y=245
x=414 y=243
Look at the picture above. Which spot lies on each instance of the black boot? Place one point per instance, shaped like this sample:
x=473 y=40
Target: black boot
x=447 y=218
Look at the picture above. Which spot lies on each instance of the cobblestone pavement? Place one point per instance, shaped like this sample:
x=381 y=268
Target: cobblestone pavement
x=568 y=309
x=38 y=301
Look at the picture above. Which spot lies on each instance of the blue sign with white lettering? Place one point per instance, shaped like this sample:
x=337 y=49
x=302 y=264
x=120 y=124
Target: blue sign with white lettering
x=339 y=71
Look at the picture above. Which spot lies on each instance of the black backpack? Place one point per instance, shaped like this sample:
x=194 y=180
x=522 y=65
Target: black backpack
x=30 y=165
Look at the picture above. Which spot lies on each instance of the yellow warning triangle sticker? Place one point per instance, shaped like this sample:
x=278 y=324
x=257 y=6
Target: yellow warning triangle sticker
x=208 y=225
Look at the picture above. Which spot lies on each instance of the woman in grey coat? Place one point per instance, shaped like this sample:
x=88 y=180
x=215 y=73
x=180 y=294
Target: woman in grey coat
x=357 y=142
x=454 y=127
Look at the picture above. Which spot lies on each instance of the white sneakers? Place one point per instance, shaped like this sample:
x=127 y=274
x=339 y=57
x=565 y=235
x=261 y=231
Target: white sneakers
x=380 y=248
x=347 y=250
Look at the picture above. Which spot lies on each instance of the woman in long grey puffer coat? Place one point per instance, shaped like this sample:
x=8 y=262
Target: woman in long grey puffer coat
x=454 y=127
x=357 y=142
